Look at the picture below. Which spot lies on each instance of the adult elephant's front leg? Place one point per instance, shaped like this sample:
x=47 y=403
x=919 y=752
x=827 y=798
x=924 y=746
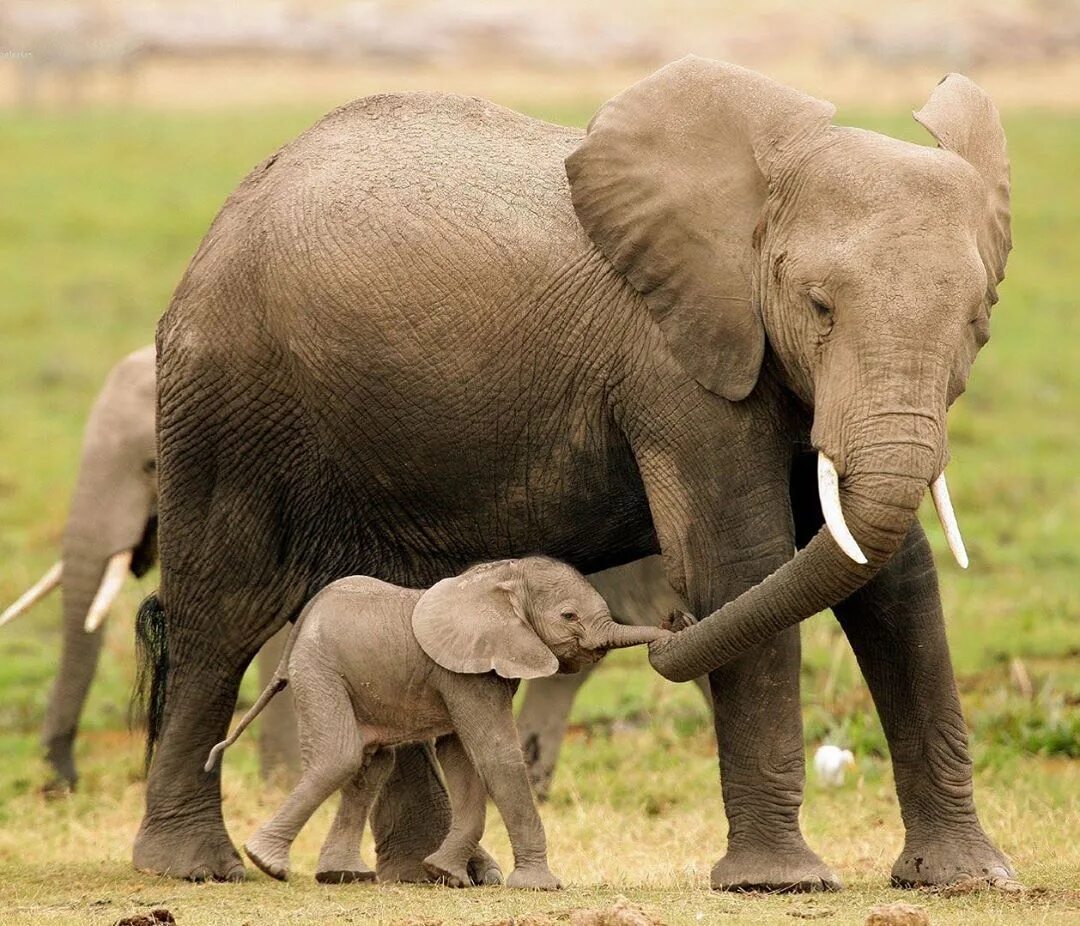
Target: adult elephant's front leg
x=721 y=535
x=897 y=630
x=760 y=738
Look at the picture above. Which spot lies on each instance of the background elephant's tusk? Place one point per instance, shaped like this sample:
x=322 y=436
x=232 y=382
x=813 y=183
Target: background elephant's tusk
x=939 y=491
x=115 y=573
x=829 y=493
x=34 y=594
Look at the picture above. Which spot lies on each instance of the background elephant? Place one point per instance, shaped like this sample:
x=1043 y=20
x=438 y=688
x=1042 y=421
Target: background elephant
x=637 y=593
x=111 y=530
x=432 y=331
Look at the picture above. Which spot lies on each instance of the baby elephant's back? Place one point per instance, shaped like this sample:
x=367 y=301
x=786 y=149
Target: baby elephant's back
x=361 y=629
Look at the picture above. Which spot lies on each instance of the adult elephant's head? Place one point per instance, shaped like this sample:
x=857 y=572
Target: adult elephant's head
x=866 y=266
x=111 y=525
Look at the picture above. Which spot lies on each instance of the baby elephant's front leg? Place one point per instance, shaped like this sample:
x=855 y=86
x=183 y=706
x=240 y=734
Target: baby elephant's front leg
x=468 y=798
x=482 y=712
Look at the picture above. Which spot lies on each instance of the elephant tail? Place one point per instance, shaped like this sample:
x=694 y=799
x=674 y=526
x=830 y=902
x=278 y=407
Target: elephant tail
x=277 y=683
x=152 y=649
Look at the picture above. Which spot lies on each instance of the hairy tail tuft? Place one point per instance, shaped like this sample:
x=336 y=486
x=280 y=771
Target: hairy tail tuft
x=152 y=650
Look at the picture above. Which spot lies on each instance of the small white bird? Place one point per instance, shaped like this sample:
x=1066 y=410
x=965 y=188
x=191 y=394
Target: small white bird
x=831 y=762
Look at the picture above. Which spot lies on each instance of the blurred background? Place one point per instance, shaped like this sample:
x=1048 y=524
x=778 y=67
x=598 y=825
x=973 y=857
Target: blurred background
x=123 y=125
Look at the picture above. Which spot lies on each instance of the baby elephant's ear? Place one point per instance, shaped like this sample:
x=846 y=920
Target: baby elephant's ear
x=472 y=624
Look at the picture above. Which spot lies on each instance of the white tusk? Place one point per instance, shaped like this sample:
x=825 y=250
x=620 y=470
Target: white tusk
x=34 y=594
x=939 y=491
x=828 y=484
x=115 y=573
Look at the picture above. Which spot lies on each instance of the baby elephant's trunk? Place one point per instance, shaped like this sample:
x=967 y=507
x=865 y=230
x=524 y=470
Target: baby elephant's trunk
x=616 y=636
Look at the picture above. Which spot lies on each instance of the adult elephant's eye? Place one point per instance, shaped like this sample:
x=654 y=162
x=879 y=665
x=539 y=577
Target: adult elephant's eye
x=821 y=306
x=569 y=615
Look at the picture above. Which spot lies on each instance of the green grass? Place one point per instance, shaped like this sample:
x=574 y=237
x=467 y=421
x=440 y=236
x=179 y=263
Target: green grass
x=99 y=214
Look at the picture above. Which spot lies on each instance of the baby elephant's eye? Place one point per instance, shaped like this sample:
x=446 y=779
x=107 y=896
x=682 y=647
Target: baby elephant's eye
x=569 y=615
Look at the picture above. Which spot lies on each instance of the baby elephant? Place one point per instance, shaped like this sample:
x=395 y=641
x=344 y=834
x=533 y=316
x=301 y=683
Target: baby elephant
x=374 y=666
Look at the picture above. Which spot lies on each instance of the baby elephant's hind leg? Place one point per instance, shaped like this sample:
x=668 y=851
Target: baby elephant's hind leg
x=468 y=801
x=332 y=751
x=339 y=860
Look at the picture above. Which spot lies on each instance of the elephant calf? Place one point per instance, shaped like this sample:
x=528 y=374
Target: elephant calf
x=375 y=666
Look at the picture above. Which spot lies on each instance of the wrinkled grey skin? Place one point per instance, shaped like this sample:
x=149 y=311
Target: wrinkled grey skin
x=374 y=666
x=114 y=508
x=637 y=594
x=431 y=331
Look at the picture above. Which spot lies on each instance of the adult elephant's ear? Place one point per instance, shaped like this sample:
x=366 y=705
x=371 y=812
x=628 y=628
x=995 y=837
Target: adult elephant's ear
x=964 y=120
x=669 y=184
x=475 y=623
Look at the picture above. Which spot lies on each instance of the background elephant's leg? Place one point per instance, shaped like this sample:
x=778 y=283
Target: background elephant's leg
x=758 y=722
x=542 y=722
x=183 y=833
x=897 y=629
x=468 y=800
x=339 y=860
x=411 y=815
x=279 y=746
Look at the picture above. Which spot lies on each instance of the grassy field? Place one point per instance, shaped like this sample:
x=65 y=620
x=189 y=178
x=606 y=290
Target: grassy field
x=99 y=213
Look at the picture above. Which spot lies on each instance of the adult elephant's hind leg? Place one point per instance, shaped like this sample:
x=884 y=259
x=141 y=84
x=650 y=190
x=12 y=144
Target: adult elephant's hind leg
x=760 y=738
x=411 y=815
x=183 y=833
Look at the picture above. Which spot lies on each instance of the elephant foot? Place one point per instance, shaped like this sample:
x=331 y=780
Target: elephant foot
x=270 y=855
x=483 y=870
x=533 y=878
x=358 y=876
x=179 y=854
x=405 y=870
x=445 y=869
x=60 y=756
x=57 y=789
x=773 y=870
x=925 y=863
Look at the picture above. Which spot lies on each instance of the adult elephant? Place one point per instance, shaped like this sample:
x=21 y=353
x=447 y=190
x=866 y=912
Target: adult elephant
x=415 y=338
x=111 y=531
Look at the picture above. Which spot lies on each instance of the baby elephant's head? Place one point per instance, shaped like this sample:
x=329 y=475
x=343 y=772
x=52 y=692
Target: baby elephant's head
x=522 y=618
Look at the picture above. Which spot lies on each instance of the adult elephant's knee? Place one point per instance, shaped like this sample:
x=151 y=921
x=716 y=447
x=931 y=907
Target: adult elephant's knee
x=411 y=816
x=183 y=832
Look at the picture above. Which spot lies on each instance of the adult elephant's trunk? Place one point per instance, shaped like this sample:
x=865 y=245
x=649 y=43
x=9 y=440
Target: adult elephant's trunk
x=84 y=568
x=892 y=454
x=617 y=636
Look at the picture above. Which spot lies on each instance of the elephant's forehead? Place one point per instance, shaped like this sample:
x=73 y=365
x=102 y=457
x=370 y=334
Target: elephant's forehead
x=856 y=173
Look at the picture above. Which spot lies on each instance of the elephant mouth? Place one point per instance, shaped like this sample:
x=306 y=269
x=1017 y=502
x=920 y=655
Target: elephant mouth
x=833 y=511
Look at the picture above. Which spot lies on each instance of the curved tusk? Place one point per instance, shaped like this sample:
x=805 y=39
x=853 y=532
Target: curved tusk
x=939 y=491
x=34 y=594
x=115 y=573
x=829 y=493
